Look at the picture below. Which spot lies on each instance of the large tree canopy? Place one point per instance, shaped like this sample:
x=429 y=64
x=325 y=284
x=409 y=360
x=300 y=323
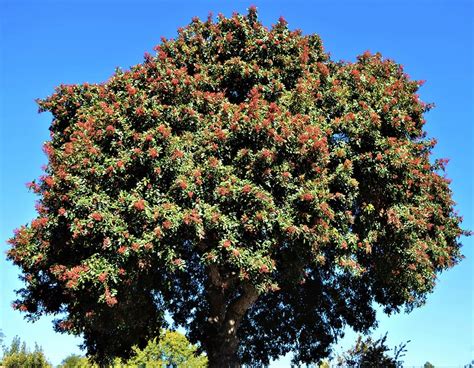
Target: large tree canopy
x=261 y=193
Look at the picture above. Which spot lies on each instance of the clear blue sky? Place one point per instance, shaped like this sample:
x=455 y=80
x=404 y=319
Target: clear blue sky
x=45 y=43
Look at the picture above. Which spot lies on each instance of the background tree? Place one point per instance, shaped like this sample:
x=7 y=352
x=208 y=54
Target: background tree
x=261 y=193
x=75 y=361
x=371 y=353
x=428 y=365
x=19 y=356
x=170 y=349
x=324 y=364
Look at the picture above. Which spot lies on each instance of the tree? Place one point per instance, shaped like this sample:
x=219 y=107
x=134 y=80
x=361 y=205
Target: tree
x=371 y=353
x=324 y=364
x=75 y=361
x=171 y=349
x=428 y=365
x=262 y=194
x=19 y=356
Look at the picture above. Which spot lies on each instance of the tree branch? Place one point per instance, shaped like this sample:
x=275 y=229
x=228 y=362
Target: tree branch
x=238 y=307
x=216 y=296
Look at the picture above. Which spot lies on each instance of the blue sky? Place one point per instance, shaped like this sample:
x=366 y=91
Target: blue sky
x=45 y=43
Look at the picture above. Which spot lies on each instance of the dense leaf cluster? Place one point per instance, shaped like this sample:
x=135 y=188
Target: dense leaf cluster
x=237 y=158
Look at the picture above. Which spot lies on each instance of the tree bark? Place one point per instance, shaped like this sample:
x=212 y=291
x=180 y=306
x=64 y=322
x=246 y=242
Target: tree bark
x=222 y=352
x=225 y=316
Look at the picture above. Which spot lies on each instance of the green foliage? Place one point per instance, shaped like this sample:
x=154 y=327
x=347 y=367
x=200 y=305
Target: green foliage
x=428 y=365
x=75 y=361
x=171 y=350
x=243 y=182
x=19 y=356
x=324 y=364
x=370 y=353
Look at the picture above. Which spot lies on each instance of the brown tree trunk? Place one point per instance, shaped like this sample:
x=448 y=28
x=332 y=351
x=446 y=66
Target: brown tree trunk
x=222 y=352
x=225 y=316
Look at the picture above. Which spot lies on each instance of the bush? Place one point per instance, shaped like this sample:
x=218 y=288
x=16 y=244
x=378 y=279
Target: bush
x=19 y=356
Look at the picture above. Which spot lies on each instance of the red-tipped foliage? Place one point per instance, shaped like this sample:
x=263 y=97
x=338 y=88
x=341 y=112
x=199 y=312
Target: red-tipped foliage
x=262 y=194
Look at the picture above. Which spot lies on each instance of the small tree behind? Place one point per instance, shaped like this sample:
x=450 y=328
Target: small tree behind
x=324 y=364
x=75 y=361
x=19 y=356
x=171 y=349
x=371 y=353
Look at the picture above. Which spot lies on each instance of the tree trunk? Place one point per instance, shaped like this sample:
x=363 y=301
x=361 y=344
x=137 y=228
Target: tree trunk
x=222 y=352
x=221 y=343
